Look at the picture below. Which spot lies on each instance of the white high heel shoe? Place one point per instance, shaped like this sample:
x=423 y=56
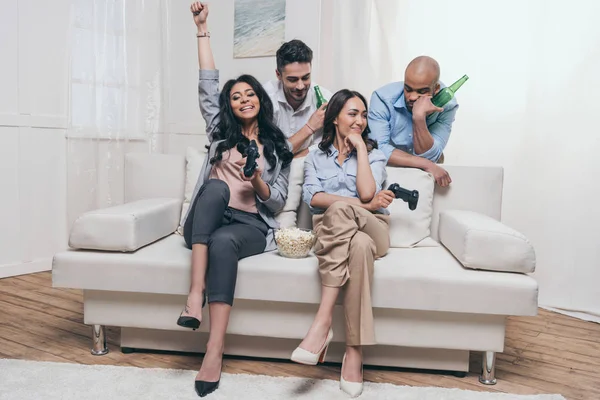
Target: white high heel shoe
x=302 y=356
x=353 y=389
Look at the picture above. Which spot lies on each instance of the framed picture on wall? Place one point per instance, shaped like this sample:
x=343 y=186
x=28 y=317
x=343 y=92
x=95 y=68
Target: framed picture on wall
x=259 y=27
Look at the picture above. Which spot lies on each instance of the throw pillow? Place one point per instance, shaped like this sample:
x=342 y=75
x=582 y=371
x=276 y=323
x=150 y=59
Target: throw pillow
x=288 y=217
x=408 y=228
x=194 y=161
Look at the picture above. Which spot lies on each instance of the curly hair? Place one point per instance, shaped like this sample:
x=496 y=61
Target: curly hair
x=229 y=128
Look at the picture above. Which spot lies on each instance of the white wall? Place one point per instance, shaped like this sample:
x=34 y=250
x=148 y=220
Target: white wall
x=33 y=115
x=529 y=106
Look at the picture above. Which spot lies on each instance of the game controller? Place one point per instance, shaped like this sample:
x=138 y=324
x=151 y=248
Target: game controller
x=252 y=155
x=409 y=196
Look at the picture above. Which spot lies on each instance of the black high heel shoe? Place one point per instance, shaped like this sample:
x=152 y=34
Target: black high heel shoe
x=191 y=322
x=206 y=388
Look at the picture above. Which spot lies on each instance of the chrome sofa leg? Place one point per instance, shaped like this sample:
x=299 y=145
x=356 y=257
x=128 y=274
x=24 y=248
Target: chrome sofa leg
x=99 y=341
x=488 y=375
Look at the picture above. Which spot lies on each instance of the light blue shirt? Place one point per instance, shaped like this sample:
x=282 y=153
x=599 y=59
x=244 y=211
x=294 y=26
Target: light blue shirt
x=323 y=173
x=391 y=122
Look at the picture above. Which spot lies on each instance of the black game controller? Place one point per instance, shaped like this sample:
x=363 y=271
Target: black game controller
x=409 y=196
x=252 y=155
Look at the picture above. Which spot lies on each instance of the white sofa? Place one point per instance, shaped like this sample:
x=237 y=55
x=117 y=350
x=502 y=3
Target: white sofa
x=432 y=305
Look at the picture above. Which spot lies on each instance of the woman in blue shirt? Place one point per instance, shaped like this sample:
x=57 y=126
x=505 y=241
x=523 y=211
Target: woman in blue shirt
x=343 y=181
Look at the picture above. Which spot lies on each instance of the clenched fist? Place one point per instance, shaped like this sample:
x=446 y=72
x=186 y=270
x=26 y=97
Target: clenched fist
x=200 y=11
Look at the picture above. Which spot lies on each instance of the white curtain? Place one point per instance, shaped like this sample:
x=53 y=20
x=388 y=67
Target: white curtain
x=530 y=106
x=118 y=67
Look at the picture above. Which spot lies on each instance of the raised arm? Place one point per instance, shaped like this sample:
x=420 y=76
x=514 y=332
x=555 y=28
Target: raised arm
x=205 y=55
x=208 y=75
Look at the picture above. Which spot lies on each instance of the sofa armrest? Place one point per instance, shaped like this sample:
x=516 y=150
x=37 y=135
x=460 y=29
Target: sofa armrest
x=481 y=242
x=126 y=227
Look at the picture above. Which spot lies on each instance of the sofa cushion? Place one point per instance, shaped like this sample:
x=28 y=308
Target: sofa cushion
x=194 y=160
x=409 y=227
x=288 y=217
x=125 y=227
x=482 y=242
x=423 y=278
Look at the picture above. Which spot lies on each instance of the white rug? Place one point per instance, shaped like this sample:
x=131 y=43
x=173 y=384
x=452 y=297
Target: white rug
x=24 y=380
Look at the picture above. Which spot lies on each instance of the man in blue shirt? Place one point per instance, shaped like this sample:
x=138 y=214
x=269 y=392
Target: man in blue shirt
x=409 y=129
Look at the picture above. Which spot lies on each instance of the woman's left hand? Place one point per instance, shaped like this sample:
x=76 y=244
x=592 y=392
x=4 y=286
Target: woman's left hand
x=260 y=187
x=381 y=200
x=354 y=141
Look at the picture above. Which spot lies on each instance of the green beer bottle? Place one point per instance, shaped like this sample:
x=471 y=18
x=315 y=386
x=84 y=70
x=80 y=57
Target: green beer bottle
x=320 y=98
x=447 y=93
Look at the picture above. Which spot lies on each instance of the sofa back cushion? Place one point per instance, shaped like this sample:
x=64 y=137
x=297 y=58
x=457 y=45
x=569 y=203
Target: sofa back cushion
x=288 y=217
x=477 y=189
x=194 y=159
x=409 y=227
x=473 y=188
x=153 y=175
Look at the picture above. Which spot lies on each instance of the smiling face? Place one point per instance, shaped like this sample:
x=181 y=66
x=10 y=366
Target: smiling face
x=295 y=78
x=352 y=118
x=244 y=102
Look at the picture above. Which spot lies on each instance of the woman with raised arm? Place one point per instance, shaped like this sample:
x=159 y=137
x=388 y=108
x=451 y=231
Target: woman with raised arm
x=231 y=215
x=343 y=181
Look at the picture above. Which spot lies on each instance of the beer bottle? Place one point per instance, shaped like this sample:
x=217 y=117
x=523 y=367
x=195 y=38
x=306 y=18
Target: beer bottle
x=446 y=94
x=320 y=98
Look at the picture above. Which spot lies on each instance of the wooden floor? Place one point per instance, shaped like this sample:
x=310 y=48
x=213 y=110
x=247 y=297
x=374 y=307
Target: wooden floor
x=550 y=353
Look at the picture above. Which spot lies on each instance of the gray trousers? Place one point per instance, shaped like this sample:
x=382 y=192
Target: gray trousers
x=230 y=235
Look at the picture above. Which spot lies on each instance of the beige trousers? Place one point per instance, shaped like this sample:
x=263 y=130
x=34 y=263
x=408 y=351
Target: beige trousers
x=349 y=240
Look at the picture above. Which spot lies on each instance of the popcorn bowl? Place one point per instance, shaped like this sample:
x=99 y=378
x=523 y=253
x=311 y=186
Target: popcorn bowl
x=294 y=242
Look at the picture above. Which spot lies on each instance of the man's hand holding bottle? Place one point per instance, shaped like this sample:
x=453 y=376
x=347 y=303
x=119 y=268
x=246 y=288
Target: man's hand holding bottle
x=316 y=120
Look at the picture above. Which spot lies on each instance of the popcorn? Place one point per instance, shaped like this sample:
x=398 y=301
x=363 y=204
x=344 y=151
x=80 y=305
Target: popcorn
x=294 y=242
